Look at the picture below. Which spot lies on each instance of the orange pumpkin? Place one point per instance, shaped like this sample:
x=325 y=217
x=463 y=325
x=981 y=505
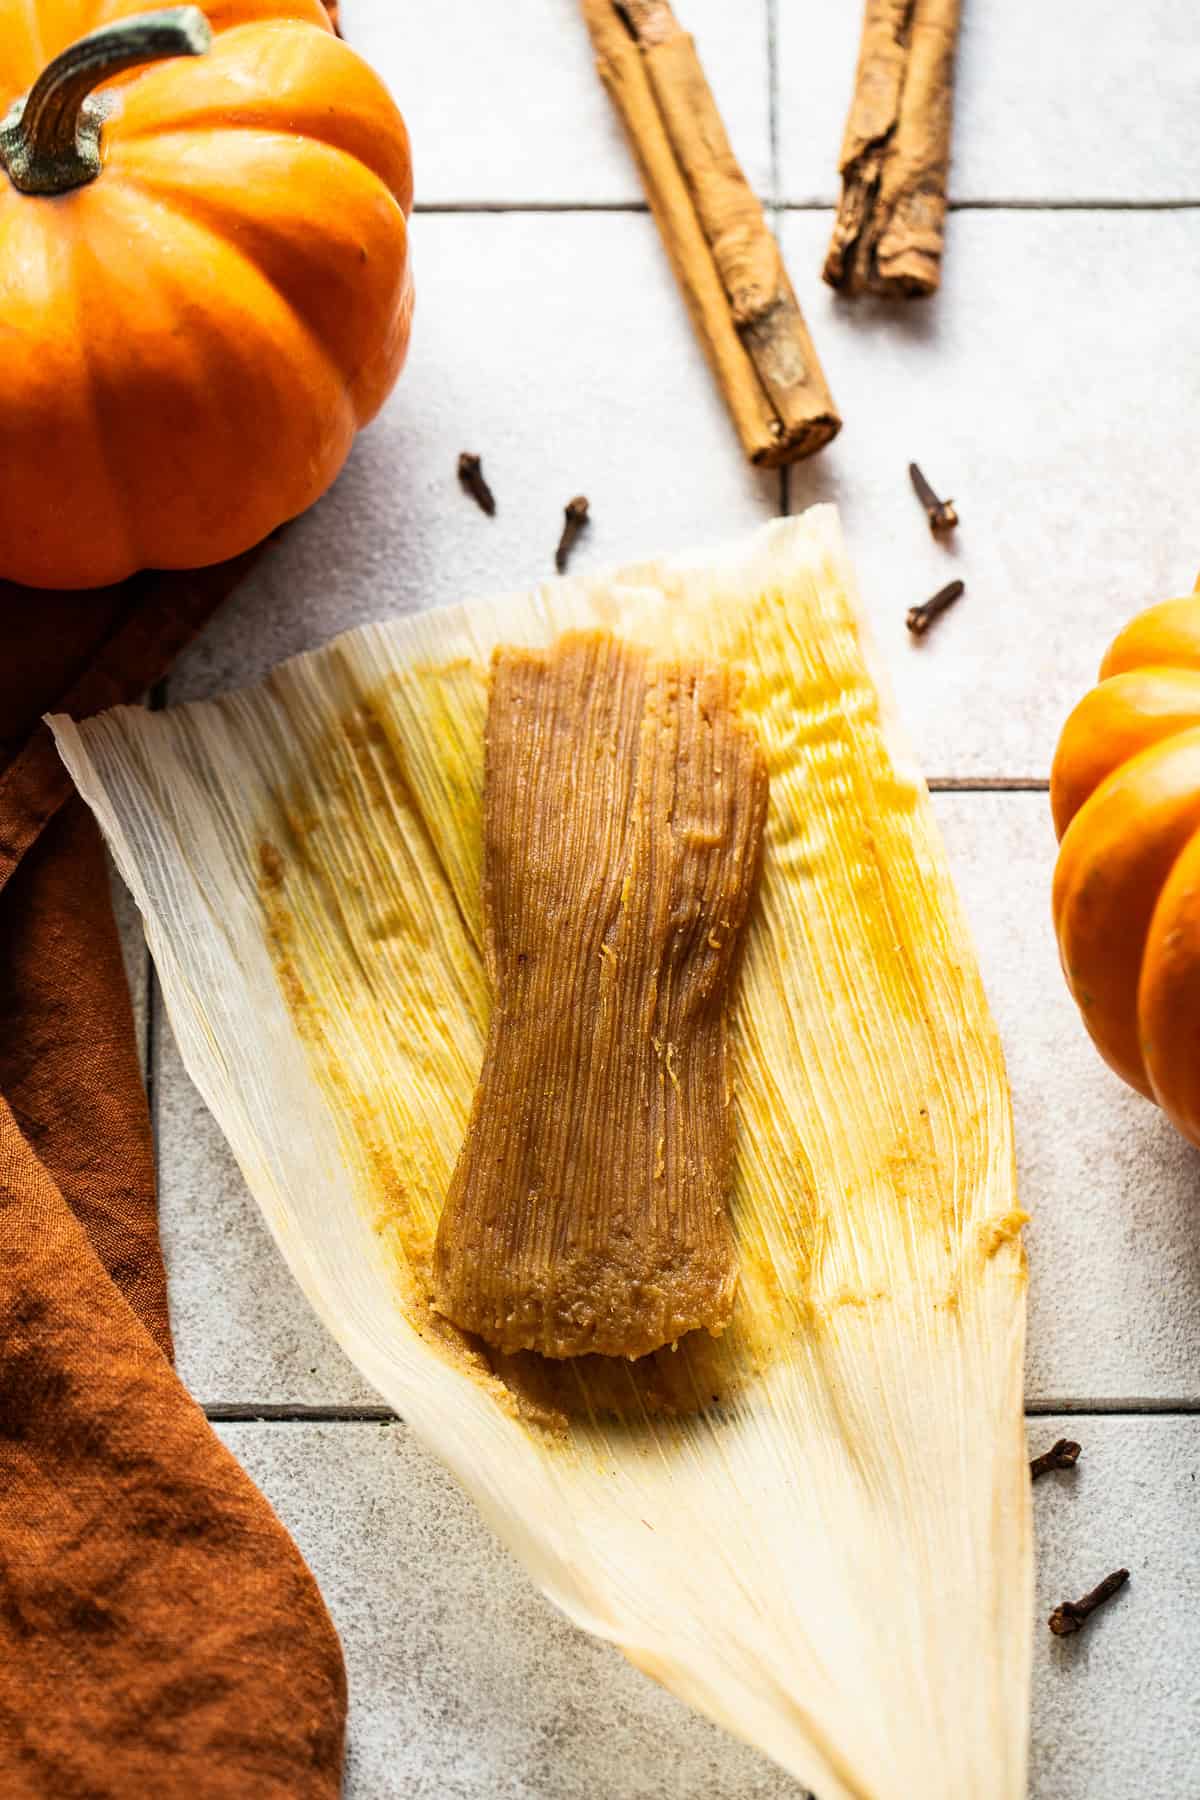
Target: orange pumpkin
x=204 y=277
x=1125 y=792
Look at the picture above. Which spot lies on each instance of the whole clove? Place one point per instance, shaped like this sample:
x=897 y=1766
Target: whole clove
x=920 y=618
x=1073 y=1615
x=470 y=473
x=941 y=514
x=1063 y=1455
x=575 y=517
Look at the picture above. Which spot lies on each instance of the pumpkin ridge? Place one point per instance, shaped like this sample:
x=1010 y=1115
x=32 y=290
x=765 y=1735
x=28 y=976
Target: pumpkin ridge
x=306 y=12
x=165 y=92
x=118 y=506
x=1165 y=636
x=70 y=439
x=118 y=509
x=226 y=122
x=223 y=16
x=1169 y=994
x=314 y=341
x=175 y=295
x=206 y=216
x=1106 y=889
x=123 y=154
x=38 y=56
x=1121 y=716
x=1125 y=796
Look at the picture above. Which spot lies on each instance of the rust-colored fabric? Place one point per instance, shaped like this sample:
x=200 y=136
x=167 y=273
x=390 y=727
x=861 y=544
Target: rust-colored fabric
x=159 y=1633
x=68 y=1057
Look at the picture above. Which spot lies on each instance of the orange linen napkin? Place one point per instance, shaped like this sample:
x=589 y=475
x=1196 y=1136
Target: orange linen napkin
x=159 y=1633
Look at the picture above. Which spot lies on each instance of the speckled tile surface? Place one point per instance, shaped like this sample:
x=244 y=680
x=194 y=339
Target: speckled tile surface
x=1011 y=391
x=1115 y=1709
x=465 y=1684
x=456 y=78
x=1052 y=389
x=1114 y=1193
x=557 y=346
x=1064 y=102
x=243 y=1330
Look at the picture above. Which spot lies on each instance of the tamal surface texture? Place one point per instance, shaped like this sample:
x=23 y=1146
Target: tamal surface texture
x=624 y=804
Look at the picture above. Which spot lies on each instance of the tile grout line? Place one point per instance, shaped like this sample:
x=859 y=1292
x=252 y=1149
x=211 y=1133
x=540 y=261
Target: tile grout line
x=772 y=8
x=1144 y=1408
x=987 y=784
x=1097 y=204
x=1015 y=205
x=452 y=208
x=283 y=1414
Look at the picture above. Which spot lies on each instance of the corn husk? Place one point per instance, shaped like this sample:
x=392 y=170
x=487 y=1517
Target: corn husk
x=815 y=1529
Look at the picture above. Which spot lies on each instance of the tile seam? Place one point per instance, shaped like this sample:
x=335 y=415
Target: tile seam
x=435 y=208
x=1099 y=1408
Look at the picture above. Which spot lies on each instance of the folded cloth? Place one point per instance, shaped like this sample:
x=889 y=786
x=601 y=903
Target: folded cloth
x=159 y=1633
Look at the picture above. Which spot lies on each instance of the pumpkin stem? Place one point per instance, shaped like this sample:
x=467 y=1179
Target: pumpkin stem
x=50 y=140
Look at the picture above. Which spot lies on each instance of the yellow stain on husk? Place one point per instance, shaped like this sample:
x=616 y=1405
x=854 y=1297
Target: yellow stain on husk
x=862 y=1045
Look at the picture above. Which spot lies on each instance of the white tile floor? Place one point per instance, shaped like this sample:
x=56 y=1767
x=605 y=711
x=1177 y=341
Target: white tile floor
x=465 y=1686
x=1053 y=388
x=1063 y=102
x=503 y=107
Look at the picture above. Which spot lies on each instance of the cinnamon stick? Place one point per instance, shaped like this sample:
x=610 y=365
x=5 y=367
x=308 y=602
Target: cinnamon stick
x=725 y=258
x=895 y=158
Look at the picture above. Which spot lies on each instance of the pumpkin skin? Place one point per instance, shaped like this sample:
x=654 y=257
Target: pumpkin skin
x=192 y=340
x=1125 y=794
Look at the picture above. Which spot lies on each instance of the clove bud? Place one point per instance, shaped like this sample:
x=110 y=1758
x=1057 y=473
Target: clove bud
x=920 y=618
x=470 y=473
x=1063 y=1455
x=940 y=513
x=575 y=517
x=1073 y=1615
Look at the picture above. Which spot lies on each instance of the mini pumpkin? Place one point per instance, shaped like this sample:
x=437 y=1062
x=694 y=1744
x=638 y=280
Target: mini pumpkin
x=1125 y=793
x=204 y=277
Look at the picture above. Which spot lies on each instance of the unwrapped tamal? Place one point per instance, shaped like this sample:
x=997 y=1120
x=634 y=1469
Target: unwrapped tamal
x=815 y=1527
